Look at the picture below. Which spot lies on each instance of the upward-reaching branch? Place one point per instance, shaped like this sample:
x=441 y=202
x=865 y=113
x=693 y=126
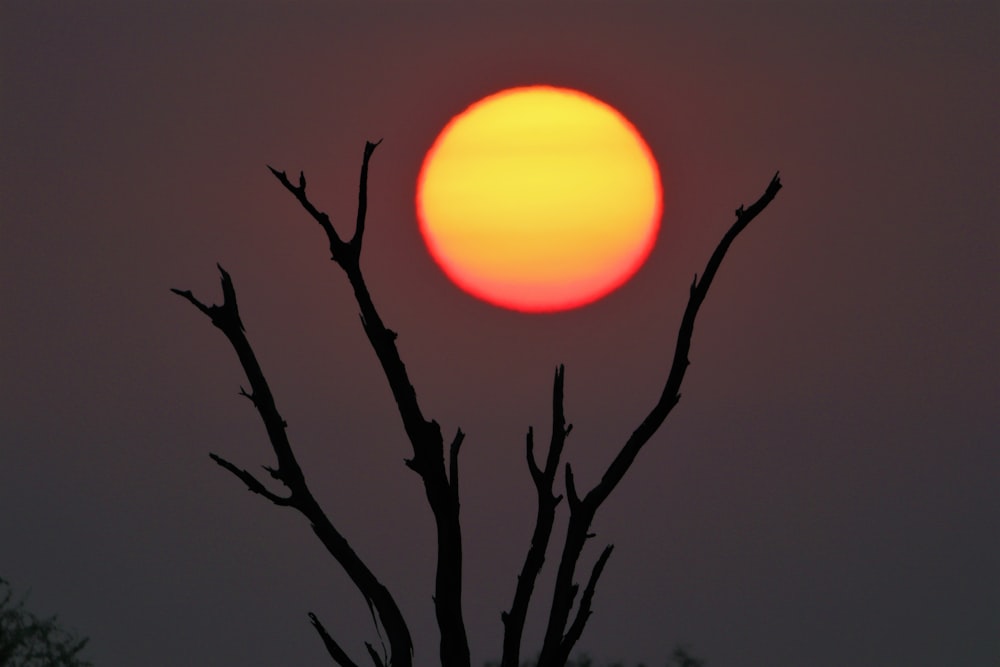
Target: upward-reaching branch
x=425 y=435
x=582 y=510
x=547 y=501
x=359 y=225
x=671 y=390
x=226 y=317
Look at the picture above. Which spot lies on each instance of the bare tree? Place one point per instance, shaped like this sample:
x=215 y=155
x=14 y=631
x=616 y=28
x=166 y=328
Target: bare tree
x=569 y=608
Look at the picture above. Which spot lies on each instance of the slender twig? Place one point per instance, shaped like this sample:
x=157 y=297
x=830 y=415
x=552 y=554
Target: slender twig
x=334 y=649
x=373 y=654
x=251 y=482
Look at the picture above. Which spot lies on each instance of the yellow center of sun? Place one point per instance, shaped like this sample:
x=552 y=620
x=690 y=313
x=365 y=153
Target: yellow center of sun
x=539 y=199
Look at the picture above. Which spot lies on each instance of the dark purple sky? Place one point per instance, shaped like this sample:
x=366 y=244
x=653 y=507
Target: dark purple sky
x=826 y=493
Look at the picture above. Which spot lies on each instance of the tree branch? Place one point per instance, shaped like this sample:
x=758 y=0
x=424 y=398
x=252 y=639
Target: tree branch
x=226 y=318
x=425 y=435
x=251 y=482
x=671 y=390
x=583 y=611
x=337 y=653
x=456 y=445
x=547 y=502
x=376 y=658
x=359 y=228
x=337 y=246
x=582 y=511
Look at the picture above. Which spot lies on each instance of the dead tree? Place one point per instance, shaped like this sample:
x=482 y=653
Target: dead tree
x=440 y=475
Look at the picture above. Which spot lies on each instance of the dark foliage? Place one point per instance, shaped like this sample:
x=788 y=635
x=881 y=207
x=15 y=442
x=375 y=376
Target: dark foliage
x=29 y=641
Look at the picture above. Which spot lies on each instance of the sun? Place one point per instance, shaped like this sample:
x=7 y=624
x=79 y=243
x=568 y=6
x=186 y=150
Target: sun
x=539 y=199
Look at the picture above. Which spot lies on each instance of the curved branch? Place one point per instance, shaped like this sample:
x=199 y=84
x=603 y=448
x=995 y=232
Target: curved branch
x=582 y=511
x=671 y=390
x=226 y=318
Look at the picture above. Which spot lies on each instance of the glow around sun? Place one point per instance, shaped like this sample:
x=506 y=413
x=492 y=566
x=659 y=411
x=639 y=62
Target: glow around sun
x=539 y=199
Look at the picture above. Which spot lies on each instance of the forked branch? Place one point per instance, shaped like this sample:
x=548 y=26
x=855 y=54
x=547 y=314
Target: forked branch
x=226 y=318
x=514 y=620
x=425 y=435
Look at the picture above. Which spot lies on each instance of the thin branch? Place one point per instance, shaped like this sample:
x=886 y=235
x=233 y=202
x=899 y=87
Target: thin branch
x=582 y=511
x=226 y=318
x=376 y=658
x=456 y=445
x=190 y=297
x=536 y=472
x=671 y=390
x=337 y=246
x=359 y=228
x=425 y=435
x=337 y=653
x=583 y=611
x=252 y=483
x=547 y=501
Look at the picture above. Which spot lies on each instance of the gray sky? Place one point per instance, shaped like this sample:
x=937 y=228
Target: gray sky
x=826 y=491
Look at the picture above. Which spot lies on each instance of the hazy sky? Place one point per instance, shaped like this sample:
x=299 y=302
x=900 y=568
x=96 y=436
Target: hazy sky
x=826 y=493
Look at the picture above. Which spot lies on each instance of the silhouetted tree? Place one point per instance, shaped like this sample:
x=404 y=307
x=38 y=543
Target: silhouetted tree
x=438 y=468
x=29 y=641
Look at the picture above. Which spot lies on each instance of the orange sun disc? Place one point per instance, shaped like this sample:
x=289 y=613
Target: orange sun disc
x=539 y=199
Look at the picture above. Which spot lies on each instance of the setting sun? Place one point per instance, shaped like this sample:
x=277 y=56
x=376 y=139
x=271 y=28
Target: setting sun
x=539 y=199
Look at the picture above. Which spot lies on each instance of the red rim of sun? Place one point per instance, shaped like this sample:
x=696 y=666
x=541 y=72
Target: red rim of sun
x=539 y=199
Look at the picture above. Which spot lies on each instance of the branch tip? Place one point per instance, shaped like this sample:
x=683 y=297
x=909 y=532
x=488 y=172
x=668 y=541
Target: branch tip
x=337 y=653
x=453 y=450
x=558 y=642
x=536 y=473
x=583 y=612
x=374 y=655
